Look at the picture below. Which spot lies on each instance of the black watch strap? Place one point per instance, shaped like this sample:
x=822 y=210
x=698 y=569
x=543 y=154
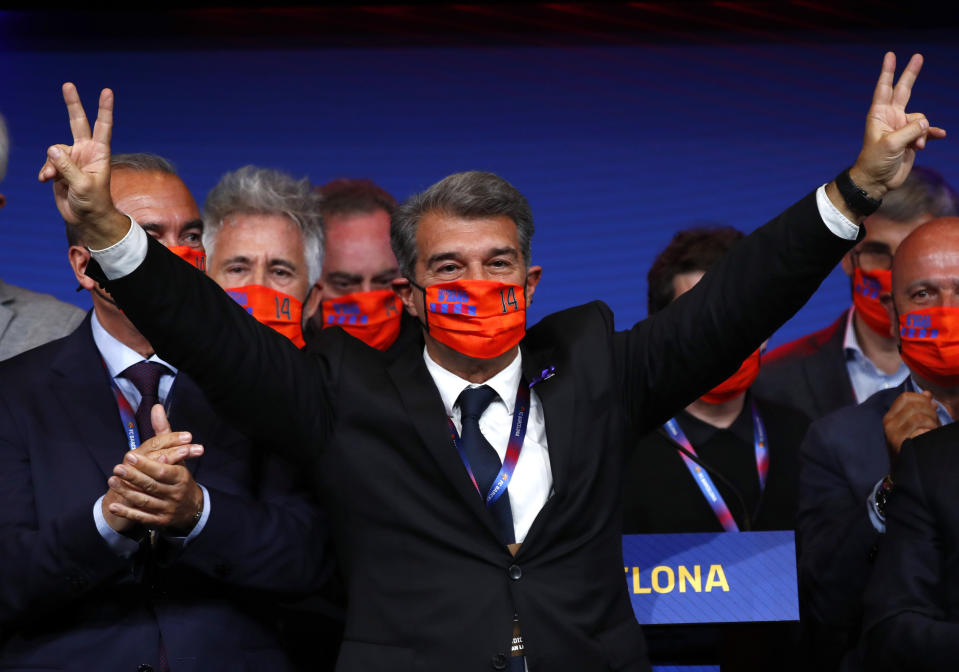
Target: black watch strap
x=855 y=196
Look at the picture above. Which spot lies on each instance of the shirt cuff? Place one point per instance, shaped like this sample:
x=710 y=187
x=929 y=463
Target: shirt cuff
x=836 y=222
x=123 y=257
x=123 y=546
x=200 y=524
x=877 y=519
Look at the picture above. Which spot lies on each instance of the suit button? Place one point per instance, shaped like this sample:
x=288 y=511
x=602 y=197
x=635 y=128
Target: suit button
x=144 y=668
x=515 y=572
x=499 y=662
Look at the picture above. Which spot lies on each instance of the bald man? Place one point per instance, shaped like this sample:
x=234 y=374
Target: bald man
x=849 y=459
x=912 y=620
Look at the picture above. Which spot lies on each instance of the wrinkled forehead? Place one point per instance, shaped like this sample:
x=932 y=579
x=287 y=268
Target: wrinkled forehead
x=930 y=254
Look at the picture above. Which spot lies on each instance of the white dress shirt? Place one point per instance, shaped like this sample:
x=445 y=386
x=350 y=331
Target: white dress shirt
x=866 y=377
x=118 y=357
x=532 y=480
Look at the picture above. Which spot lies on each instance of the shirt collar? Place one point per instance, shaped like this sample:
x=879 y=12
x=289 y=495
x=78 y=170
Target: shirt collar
x=944 y=417
x=118 y=357
x=850 y=342
x=450 y=385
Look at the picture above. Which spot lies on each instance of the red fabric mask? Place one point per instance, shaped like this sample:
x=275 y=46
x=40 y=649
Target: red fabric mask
x=929 y=343
x=867 y=287
x=274 y=309
x=372 y=317
x=736 y=384
x=478 y=318
x=192 y=255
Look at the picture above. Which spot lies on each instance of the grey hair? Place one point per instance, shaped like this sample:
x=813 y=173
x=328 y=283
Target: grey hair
x=470 y=195
x=262 y=191
x=142 y=162
x=4 y=148
x=924 y=192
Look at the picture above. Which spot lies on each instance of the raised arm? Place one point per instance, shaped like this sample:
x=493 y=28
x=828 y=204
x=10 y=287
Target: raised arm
x=697 y=341
x=253 y=375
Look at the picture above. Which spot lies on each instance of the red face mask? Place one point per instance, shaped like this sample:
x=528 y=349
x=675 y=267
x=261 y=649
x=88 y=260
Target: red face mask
x=372 y=317
x=736 y=384
x=478 y=318
x=929 y=343
x=274 y=309
x=192 y=255
x=867 y=287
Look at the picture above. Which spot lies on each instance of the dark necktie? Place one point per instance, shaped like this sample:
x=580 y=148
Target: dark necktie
x=482 y=457
x=145 y=376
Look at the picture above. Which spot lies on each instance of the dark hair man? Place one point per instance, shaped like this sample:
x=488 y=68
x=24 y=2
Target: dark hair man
x=28 y=319
x=355 y=291
x=749 y=447
x=455 y=559
x=264 y=239
x=854 y=357
x=910 y=620
x=139 y=561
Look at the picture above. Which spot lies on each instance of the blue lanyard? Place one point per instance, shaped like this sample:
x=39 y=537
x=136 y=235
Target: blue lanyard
x=703 y=480
x=513 y=448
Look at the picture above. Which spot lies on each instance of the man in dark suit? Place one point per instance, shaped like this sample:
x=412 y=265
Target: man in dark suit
x=84 y=586
x=911 y=619
x=443 y=571
x=856 y=356
x=847 y=459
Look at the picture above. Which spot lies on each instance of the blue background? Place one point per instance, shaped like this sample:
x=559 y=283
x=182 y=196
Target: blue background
x=617 y=146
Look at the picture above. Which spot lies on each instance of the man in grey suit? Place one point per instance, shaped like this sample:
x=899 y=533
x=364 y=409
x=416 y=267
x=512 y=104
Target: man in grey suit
x=29 y=319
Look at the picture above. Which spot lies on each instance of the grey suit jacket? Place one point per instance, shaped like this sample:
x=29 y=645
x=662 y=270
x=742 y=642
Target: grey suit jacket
x=29 y=319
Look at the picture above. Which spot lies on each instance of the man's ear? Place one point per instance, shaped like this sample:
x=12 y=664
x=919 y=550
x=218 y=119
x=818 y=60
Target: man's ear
x=887 y=301
x=403 y=288
x=533 y=275
x=79 y=258
x=846 y=263
x=313 y=300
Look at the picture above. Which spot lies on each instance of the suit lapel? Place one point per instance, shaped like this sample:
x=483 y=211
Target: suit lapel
x=556 y=395
x=823 y=367
x=88 y=402
x=424 y=408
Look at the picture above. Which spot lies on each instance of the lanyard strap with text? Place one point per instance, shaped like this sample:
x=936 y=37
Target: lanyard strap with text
x=705 y=483
x=513 y=448
x=127 y=416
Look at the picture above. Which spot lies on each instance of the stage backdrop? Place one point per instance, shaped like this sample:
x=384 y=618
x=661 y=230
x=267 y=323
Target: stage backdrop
x=616 y=146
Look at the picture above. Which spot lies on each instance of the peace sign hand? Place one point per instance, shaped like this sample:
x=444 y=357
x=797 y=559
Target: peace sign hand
x=81 y=174
x=892 y=135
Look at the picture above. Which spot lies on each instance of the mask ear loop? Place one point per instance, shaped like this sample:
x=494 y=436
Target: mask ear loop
x=426 y=312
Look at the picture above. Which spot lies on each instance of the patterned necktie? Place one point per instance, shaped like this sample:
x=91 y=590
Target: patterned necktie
x=145 y=376
x=482 y=457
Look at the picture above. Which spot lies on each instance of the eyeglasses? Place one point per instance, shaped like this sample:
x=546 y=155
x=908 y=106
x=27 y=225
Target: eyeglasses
x=872 y=258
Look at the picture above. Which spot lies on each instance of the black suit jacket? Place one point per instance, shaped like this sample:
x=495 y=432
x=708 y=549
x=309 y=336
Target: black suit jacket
x=67 y=602
x=843 y=456
x=430 y=586
x=912 y=600
x=809 y=373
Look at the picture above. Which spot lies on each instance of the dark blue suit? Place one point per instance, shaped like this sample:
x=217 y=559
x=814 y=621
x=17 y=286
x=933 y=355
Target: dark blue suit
x=842 y=458
x=67 y=602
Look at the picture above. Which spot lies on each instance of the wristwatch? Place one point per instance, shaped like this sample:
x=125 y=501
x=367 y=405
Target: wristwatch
x=882 y=496
x=855 y=196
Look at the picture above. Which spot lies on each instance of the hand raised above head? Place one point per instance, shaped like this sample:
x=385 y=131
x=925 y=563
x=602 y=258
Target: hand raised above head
x=81 y=173
x=892 y=134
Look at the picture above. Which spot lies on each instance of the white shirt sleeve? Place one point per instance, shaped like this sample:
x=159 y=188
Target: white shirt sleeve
x=123 y=546
x=200 y=524
x=878 y=520
x=123 y=257
x=836 y=222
